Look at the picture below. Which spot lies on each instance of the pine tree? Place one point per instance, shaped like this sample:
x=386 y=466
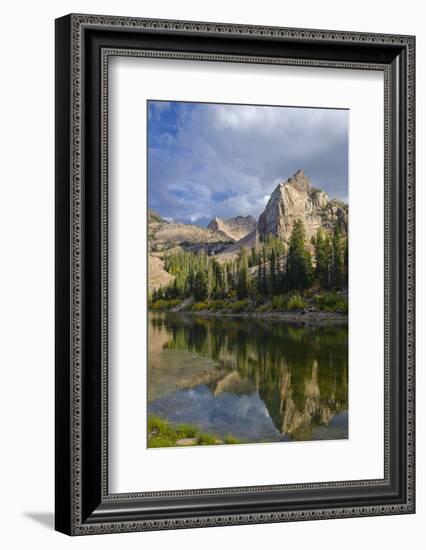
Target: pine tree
x=328 y=253
x=190 y=281
x=225 y=287
x=273 y=275
x=259 y=282
x=243 y=281
x=282 y=281
x=210 y=279
x=346 y=262
x=299 y=264
x=321 y=258
x=200 y=289
x=175 y=291
x=264 y=272
x=230 y=276
x=255 y=251
x=217 y=285
x=337 y=259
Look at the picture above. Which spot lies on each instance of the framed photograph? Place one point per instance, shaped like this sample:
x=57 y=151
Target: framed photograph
x=234 y=274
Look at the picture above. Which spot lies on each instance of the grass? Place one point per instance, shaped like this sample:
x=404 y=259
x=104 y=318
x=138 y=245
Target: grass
x=159 y=441
x=164 y=305
x=231 y=440
x=296 y=303
x=186 y=430
x=207 y=439
x=240 y=306
x=200 y=306
x=327 y=301
x=162 y=433
x=331 y=301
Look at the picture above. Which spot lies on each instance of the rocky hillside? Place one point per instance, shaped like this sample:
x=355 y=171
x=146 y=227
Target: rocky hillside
x=158 y=276
x=296 y=199
x=292 y=200
x=163 y=236
x=234 y=228
x=154 y=217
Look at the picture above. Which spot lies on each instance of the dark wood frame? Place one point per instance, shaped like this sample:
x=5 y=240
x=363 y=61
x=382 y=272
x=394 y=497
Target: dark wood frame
x=83 y=46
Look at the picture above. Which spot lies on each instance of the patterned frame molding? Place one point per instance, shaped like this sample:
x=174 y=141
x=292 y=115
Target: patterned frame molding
x=83 y=504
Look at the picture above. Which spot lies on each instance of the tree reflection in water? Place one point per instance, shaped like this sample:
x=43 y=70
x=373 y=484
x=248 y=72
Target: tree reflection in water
x=274 y=381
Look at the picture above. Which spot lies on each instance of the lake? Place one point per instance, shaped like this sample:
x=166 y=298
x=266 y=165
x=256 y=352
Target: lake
x=256 y=380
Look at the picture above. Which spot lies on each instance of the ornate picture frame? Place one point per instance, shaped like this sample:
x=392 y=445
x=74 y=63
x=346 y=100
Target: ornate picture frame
x=84 y=44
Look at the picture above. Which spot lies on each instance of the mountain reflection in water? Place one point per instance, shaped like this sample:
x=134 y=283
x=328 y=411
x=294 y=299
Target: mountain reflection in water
x=255 y=380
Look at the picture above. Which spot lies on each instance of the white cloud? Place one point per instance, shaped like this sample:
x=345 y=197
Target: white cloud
x=195 y=217
x=241 y=153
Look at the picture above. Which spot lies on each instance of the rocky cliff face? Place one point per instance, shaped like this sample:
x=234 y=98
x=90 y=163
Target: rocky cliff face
x=296 y=199
x=235 y=228
x=167 y=237
x=163 y=236
x=157 y=275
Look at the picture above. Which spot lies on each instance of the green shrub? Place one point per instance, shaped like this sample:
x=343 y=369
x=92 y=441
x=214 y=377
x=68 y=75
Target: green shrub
x=342 y=306
x=184 y=431
x=206 y=439
x=279 y=303
x=240 y=306
x=201 y=306
x=231 y=440
x=263 y=308
x=162 y=433
x=159 y=426
x=161 y=305
x=331 y=301
x=159 y=441
x=217 y=305
x=296 y=302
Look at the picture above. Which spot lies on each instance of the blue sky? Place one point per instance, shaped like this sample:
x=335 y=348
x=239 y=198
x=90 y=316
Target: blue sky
x=207 y=160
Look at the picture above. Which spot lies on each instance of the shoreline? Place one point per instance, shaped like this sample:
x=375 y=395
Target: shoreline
x=297 y=317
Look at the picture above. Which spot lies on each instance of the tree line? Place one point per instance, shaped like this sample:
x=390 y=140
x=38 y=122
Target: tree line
x=269 y=268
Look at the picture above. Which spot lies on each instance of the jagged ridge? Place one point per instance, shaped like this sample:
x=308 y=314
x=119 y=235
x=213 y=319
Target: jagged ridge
x=235 y=228
x=295 y=199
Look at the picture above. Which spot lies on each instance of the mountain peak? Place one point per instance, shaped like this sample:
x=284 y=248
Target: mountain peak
x=299 y=181
x=235 y=228
x=296 y=199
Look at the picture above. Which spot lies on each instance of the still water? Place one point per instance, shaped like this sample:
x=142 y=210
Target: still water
x=255 y=380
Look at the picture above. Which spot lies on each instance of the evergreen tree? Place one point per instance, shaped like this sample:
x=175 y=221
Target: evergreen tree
x=254 y=258
x=299 y=264
x=225 y=287
x=190 y=282
x=175 y=292
x=200 y=290
x=243 y=282
x=158 y=294
x=337 y=259
x=264 y=275
x=346 y=262
x=217 y=285
x=322 y=259
x=282 y=281
x=259 y=282
x=230 y=275
x=273 y=273
x=210 y=279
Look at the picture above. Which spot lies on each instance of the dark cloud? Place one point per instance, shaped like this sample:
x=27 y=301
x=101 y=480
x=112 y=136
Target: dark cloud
x=225 y=160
